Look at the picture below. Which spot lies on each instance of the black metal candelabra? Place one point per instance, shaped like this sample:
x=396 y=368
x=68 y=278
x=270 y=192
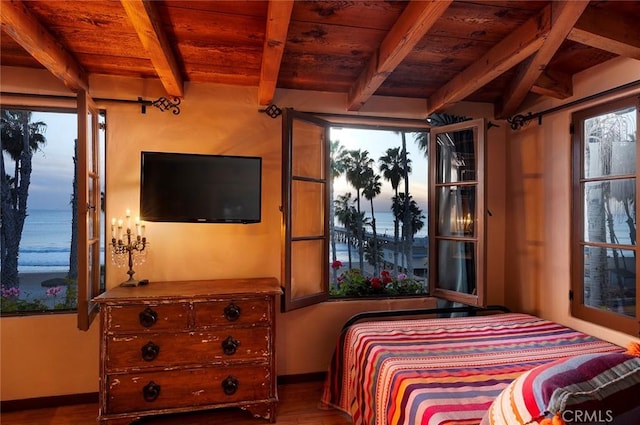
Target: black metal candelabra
x=132 y=247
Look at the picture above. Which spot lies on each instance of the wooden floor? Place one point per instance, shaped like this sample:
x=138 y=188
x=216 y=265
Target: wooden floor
x=298 y=406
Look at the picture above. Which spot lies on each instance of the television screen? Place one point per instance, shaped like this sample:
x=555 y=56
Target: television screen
x=179 y=187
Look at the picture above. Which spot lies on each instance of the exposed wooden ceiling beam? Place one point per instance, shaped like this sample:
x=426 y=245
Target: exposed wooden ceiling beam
x=612 y=32
x=416 y=20
x=513 y=49
x=27 y=31
x=564 y=15
x=278 y=18
x=553 y=84
x=144 y=18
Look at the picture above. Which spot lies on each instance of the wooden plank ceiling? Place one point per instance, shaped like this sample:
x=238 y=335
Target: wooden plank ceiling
x=442 y=51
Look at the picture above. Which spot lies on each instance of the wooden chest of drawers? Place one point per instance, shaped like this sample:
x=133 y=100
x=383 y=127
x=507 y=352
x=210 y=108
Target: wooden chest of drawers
x=170 y=347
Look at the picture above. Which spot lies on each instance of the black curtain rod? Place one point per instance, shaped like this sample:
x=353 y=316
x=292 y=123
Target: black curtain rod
x=162 y=103
x=419 y=125
x=518 y=121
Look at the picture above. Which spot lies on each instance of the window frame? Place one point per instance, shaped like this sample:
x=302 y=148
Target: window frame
x=609 y=319
x=478 y=238
x=290 y=300
x=80 y=106
x=89 y=206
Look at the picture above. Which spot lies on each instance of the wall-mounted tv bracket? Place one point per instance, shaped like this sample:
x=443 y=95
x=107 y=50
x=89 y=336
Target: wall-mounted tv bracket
x=162 y=103
x=272 y=110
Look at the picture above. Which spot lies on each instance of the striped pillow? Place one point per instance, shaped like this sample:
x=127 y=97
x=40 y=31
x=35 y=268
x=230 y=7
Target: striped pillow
x=585 y=389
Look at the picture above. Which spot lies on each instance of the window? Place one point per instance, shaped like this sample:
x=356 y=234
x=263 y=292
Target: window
x=42 y=226
x=90 y=210
x=378 y=235
x=457 y=260
x=605 y=184
x=349 y=230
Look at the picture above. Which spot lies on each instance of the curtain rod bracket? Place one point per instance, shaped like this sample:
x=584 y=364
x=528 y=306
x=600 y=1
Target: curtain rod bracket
x=162 y=103
x=272 y=110
x=518 y=121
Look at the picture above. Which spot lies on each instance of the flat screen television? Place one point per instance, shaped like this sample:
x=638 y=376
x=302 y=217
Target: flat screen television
x=200 y=188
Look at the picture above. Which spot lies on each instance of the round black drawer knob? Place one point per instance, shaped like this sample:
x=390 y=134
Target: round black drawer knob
x=150 y=351
x=230 y=385
x=230 y=345
x=232 y=312
x=148 y=317
x=151 y=391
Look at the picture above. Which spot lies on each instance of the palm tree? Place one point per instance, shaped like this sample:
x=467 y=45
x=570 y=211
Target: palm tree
x=337 y=169
x=392 y=170
x=609 y=150
x=415 y=221
x=344 y=212
x=372 y=189
x=20 y=138
x=358 y=169
x=406 y=219
x=436 y=120
x=73 y=251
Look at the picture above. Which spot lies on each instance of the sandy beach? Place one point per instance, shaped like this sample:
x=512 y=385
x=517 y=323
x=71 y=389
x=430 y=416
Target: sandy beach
x=31 y=286
x=37 y=278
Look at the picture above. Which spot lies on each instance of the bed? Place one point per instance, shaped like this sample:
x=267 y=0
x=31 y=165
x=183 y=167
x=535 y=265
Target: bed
x=442 y=371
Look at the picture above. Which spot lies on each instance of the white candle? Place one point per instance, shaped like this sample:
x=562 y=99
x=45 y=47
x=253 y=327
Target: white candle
x=113 y=230
x=128 y=214
x=137 y=226
x=119 y=229
x=142 y=231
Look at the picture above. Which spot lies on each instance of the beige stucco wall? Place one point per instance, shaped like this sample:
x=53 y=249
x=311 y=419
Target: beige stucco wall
x=47 y=355
x=539 y=201
x=528 y=196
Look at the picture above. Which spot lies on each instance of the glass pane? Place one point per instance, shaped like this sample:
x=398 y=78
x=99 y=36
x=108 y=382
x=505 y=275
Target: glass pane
x=456 y=266
x=39 y=266
x=307 y=208
x=456 y=210
x=103 y=207
x=307 y=271
x=610 y=280
x=91 y=166
x=308 y=150
x=610 y=147
x=93 y=252
x=456 y=157
x=91 y=230
x=609 y=212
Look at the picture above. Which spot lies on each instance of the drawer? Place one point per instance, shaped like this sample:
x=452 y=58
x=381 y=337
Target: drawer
x=232 y=312
x=151 y=317
x=187 y=388
x=183 y=348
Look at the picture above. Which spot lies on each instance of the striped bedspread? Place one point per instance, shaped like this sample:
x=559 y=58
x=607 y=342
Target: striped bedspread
x=441 y=371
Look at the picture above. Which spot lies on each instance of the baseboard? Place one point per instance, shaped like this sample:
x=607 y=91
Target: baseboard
x=47 y=402
x=87 y=398
x=301 y=378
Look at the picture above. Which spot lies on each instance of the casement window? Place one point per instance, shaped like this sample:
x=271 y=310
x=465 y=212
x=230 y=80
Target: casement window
x=604 y=215
x=90 y=169
x=458 y=209
x=316 y=213
x=52 y=243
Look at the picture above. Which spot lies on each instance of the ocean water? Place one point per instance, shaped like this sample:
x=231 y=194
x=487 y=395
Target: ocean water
x=384 y=224
x=46 y=241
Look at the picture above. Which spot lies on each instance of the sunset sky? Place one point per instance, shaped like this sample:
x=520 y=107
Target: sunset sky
x=376 y=142
x=52 y=175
